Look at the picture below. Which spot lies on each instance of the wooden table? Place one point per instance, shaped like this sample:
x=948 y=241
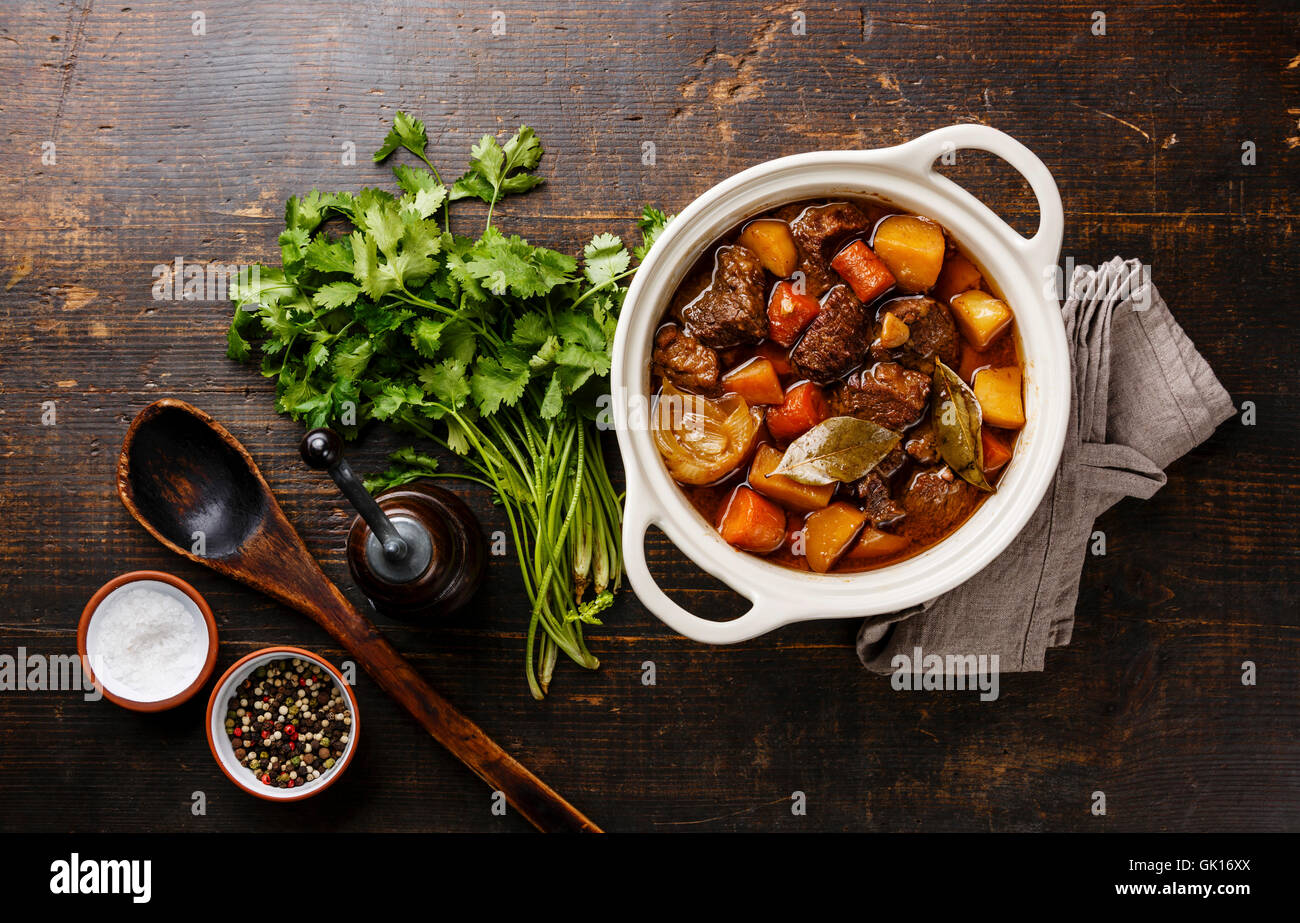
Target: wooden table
x=131 y=140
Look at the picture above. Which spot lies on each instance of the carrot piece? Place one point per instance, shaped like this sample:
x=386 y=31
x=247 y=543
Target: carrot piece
x=996 y=451
x=751 y=522
x=776 y=354
x=803 y=408
x=958 y=275
x=788 y=312
x=865 y=272
x=786 y=491
x=756 y=381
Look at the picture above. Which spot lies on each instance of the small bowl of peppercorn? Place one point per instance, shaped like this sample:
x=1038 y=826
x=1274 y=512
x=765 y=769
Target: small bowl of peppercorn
x=282 y=723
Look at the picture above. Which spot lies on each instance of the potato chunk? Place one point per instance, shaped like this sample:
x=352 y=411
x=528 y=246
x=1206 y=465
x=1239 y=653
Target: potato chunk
x=912 y=247
x=785 y=491
x=873 y=543
x=980 y=316
x=828 y=534
x=998 y=391
x=772 y=241
x=893 y=332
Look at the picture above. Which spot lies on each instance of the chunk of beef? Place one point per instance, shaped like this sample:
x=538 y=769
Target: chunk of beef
x=733 y=309
x=836 y=340
x=817 y=274
x=886 y=393
x=686 y=362
x=936 y=500
x=922 y=443
x=696 y=281
x=933 y=332
x=891 y=463
x=881 y=508
x=818 y=230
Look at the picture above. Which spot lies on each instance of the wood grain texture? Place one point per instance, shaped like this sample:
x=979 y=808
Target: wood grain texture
x=173 y=144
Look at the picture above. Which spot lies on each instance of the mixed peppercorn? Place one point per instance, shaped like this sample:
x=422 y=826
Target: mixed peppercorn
x=288 y=722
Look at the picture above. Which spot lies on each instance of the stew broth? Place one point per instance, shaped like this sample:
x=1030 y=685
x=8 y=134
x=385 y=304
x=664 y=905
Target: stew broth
x=862 y=309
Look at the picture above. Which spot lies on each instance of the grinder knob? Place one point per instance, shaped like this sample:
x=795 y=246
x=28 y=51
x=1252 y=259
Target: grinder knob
x=415 y=551
x=404 y=546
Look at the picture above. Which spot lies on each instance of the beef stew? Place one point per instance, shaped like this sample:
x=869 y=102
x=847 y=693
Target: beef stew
x=837 y=386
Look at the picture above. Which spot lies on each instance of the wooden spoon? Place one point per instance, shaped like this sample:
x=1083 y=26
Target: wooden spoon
x=192 y=484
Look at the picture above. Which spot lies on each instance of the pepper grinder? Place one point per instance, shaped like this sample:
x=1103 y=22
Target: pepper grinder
x=415 y=551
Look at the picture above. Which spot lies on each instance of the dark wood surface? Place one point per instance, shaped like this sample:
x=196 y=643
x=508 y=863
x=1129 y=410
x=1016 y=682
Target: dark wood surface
x=173 y=144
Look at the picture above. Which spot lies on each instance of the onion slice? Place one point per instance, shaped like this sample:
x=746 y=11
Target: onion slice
x=703 y=440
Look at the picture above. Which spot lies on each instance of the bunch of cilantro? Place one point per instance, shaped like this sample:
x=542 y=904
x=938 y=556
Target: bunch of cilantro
x=490 y=347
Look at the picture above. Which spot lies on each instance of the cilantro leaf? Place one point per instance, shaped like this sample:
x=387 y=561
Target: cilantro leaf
x=237 y=347
x=459 y=342
x=605 y=259
x=651 y=224
x=424 y=194
x=265 y=288
x=350 y=362
x=406 y=465
x=336 y=294
x=446 y=382
x=530 y=330
x=511 y=264
x=425 y=337
x=553 y=400
x=497 y=170
x=498 y=381
x=407 y=132
x=326 y=255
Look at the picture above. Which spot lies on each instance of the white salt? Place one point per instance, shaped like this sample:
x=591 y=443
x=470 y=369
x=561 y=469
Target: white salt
x=149 y=642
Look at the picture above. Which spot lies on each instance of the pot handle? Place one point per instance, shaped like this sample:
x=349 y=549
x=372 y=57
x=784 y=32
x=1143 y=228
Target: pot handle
x=1044 y=247
x=765 y=614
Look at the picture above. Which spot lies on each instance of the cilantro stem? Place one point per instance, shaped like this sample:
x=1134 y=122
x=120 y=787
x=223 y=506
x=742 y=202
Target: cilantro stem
x=446 y=202
x=451 y=313
x=606 y=284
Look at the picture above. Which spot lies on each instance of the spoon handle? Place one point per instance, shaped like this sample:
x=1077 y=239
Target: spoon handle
x=530 y=796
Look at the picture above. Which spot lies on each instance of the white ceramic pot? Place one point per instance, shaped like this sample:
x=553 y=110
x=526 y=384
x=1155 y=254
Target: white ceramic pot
x=1018 y=267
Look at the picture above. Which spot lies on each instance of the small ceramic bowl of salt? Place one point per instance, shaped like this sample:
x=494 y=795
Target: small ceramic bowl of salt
x=148 y=640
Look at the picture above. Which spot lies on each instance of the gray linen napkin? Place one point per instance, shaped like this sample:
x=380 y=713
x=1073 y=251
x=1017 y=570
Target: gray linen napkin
x=1142 y=397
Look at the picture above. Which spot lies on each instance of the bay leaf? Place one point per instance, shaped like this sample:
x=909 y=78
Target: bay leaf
x=839 y=449
x=957 y=418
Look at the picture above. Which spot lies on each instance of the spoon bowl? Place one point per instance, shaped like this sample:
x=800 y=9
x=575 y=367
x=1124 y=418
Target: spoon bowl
x=188 y=482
